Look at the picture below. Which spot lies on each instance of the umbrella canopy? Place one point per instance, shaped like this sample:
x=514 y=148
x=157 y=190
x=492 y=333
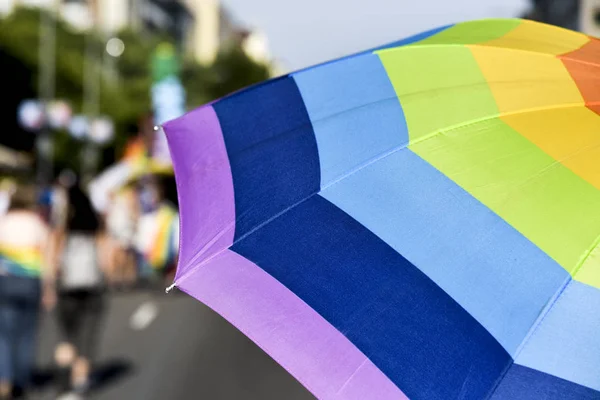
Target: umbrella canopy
x=421 y=220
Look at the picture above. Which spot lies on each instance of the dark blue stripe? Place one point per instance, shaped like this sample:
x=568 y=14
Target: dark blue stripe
x=522 y=383
x=410 y=328
x=272 y=150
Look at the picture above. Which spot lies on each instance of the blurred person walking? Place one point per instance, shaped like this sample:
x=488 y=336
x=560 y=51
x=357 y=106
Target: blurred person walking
x=25 y=260
x=157 y=240
x=121 y=220
x=157 y=246
x=7 y=189
x=80 y=283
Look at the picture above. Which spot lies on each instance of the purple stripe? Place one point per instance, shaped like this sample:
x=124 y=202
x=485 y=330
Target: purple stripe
x=204 y=186
x=290 y=331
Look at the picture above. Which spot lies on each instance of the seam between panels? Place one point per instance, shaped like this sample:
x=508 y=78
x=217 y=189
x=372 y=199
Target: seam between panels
x=586 y=256
x=534 y=327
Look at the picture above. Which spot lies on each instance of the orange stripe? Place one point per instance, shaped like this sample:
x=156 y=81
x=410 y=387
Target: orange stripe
x=583 y=65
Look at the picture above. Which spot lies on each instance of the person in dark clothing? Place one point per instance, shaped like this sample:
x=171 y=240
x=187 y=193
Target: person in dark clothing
x=80 y=280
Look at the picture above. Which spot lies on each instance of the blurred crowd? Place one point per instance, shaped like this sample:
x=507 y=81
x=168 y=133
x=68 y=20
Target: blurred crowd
x=59 y=254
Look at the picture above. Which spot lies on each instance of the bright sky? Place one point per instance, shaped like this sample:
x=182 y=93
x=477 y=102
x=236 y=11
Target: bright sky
x=306 y=32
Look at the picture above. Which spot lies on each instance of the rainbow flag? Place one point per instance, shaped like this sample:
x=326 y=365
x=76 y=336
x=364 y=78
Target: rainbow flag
x=161 y=253
x=417 y=221
x=21 y=261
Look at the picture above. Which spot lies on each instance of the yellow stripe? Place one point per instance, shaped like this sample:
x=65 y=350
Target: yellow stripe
x=521 y=80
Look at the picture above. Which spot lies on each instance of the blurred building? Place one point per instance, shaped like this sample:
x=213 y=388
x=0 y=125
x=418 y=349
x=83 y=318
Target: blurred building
x=216 y=29
x=563 y=13
x=172 y=17
x=590 y=17
x=579 y=15
x=204 y=37
x=255 y=45
x=201 y=28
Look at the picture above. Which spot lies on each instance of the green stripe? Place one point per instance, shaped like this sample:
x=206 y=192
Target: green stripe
x=438 y=87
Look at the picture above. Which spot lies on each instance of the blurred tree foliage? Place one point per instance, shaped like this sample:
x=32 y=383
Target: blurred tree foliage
x=231 y=71
x=128 y=98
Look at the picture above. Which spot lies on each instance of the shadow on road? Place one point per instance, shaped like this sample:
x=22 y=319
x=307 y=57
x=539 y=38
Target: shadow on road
x=110 y=372
x=106 y=373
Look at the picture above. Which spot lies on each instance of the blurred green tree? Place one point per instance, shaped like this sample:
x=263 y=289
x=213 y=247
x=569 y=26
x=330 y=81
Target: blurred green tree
x=232 y=70
x=126 y=98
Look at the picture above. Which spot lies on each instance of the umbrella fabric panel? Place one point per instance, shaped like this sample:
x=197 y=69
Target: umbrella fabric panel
x=565 y=342
x=270 y=120
x=522 y=184
x=486 y=265
x=207 y=222
x=411 y=329
x=552 y=131
x=522 y=383
x=355 y=114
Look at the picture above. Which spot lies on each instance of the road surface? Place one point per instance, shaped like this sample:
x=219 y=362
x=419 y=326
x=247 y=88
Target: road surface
x=186 y=352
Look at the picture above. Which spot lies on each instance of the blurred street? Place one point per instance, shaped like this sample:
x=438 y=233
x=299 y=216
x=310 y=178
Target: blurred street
x=187 y=352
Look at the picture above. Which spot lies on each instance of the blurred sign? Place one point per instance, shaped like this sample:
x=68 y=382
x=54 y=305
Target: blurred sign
x=31 y=115
x=59 y=114
x=164 y=62
x=101 y=130
x=78 y=127
x=168 y=97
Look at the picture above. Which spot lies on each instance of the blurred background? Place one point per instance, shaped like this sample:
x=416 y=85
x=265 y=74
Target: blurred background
x=84 y=84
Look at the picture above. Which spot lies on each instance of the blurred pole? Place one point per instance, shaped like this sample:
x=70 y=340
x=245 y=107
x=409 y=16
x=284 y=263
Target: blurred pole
x=91 y=105
x=46 y=89
x=109 y=66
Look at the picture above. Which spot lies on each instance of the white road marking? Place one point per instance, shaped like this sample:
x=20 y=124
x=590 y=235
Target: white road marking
x=145 y=314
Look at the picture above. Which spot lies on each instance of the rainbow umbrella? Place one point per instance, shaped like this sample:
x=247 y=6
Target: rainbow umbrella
x=421 y=220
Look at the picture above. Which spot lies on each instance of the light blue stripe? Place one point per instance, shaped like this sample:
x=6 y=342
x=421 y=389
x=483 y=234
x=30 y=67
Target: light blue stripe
x=490 y=269
x=567 y=342
x=355 y=113
x=414 y=39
